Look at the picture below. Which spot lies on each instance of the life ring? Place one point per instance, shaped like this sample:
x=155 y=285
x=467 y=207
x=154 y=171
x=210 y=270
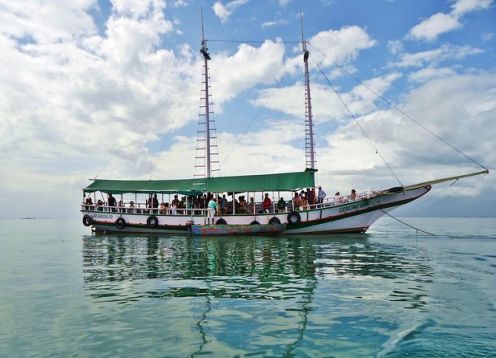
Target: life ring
x=120 y=223
x=294 y=218
x=254 y=222
x=274 y=221
x=87 y=220
x=220 y=222
x=152 y=221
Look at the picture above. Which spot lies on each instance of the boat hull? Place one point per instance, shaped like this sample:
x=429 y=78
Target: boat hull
x=338 y=217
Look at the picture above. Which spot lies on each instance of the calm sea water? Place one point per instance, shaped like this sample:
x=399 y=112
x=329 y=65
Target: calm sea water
x=67 y=293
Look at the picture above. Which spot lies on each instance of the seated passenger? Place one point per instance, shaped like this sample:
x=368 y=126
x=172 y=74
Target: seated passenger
x=162 y=208
x=131 y=208
x=251 y=206
x=242 y=209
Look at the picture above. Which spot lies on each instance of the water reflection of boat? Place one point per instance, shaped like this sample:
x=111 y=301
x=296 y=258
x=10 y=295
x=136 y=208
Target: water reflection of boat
x=288 y=288
x=236 y=267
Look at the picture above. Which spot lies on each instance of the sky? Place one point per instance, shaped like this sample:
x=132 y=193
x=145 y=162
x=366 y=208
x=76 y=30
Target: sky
x=111 y=89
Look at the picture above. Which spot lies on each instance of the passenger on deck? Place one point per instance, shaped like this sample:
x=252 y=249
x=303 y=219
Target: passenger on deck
x=281 y=204
x=251 y=206
x=321 y=195
x=155 y=201
x=174 y=205
x=353 y=194
x=99 y=205
x=88 y=201
x=304 y=202
x=131 y=207
x=163 y=209
x=242 y=205
x=296 y=201
x=223 y=204
x=212 y=210
x=267 y=204
x=111 y=201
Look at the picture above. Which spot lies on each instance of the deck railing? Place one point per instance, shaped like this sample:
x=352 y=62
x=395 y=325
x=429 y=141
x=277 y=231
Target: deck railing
x=141 y=209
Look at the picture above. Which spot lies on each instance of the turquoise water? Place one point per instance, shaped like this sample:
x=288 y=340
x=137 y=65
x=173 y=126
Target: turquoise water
x=64 y=292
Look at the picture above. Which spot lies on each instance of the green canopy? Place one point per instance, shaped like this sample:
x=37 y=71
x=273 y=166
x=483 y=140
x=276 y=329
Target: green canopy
x=262 y=182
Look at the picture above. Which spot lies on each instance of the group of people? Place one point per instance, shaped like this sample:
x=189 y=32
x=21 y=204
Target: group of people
x=302 y=200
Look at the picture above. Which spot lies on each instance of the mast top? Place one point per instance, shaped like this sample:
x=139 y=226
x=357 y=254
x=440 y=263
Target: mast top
x=204 y=48
x=303 y=42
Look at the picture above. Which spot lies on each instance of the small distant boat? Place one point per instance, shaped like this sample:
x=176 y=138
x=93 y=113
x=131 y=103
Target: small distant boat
x=140 y=213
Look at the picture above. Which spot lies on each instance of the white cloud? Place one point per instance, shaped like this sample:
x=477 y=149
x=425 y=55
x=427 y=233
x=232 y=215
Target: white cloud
x=448 y=106
x=269 y=24
x=340 y=45
x=440 y=23
x=428 y=73
x=443 y=53
x=247 y=67
x=461 y=7
x=325 y=104
x=60 y=20
x=223 y=12
x=435 y=25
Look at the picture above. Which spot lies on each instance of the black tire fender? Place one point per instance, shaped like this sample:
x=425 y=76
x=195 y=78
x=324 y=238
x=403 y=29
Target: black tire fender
x=87 y=220
x=221 y=222
x=120 y=223
x=152 y=221
x=294 y=218
x=254 y=222
x=274 y=221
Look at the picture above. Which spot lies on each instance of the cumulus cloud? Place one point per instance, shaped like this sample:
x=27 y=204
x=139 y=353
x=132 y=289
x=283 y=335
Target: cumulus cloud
x=443 y=53
x=223 y=12
x=429 y=73
x=439 y=23
x=326 y=105
x=340 y=45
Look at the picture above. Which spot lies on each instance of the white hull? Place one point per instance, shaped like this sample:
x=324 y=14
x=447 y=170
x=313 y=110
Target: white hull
x=353 y=216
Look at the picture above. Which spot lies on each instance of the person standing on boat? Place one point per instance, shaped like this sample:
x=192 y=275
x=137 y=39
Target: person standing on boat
x=111 y=201
x=267 y=203
x=212 y=209
x=321 y=195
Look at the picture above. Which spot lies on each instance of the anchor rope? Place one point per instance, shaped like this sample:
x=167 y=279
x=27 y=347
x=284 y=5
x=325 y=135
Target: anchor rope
x=406 y=224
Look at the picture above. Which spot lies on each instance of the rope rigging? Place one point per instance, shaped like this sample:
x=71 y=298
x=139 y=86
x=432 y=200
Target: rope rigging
x=399 y=110
x=352 y=115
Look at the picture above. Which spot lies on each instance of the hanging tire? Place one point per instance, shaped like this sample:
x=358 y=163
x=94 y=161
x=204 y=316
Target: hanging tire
x=274 y=221
x=221 y=222
x=254 y=222
x=87 y=220
x=152 y=221
x=294 y=218
x=120 y=223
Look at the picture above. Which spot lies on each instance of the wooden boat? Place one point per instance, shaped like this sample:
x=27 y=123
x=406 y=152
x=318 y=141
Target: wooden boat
x=338 y=214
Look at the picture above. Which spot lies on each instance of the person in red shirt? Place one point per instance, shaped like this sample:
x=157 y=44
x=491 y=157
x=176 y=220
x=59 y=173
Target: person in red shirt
x=267 y=203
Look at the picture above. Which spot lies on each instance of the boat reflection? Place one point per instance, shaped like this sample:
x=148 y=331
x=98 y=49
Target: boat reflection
x=244 y=267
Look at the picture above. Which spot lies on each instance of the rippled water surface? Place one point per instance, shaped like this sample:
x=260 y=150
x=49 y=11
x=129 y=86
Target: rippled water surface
x=65 y=292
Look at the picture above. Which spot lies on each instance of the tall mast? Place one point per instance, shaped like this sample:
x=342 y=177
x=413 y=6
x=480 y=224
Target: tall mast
x=309 y=143
x=206 y=126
